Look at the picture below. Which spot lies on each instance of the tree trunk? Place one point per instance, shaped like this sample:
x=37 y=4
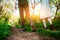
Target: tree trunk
x=58 y=7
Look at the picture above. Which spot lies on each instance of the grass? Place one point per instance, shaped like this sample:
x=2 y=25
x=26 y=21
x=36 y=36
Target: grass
x=47 y=32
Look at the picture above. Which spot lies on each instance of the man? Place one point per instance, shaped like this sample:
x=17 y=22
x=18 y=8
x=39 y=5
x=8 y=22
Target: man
x=23 y=6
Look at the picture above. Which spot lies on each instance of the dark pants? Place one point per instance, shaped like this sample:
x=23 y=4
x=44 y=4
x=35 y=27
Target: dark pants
x=22 y=8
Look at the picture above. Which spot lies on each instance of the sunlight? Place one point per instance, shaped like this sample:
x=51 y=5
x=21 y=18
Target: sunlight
x=35 y=13
x=37 y=9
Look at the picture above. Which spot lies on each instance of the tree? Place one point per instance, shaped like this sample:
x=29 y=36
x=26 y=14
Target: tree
x=57 y=5
x=5 y=11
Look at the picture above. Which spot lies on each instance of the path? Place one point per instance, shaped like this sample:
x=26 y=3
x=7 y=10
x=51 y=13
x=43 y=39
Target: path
x=18 y=35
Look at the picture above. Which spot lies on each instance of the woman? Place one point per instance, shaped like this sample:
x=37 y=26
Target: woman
x=45 y=12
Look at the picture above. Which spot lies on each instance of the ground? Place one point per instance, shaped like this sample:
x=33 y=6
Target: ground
x=24 y=35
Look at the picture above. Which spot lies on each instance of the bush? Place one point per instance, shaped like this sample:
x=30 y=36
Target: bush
x=47 y=32
x=56 y=23
x=4 y=31
x=39 y=25
x=28 y=27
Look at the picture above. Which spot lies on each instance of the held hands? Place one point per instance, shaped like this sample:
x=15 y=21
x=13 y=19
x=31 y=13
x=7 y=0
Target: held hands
x=33 y=6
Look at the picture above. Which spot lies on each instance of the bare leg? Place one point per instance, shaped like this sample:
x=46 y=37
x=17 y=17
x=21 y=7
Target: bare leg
x=44 y=22
x=32 y=23
x=51 y=26
x=33 y=27
x=50 y=21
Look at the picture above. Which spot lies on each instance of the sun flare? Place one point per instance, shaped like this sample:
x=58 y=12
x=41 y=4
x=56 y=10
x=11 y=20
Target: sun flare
x=35 y=13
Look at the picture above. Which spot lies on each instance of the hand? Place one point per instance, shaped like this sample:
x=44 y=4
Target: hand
x=33 y=6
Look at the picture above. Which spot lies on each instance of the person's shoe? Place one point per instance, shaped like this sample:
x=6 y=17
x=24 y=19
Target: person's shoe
x=52 y=27
x=45 y=27
x=33 y=30
x=33 y=27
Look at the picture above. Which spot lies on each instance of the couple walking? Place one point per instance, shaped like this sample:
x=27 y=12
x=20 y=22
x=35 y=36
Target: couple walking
x=45 y=12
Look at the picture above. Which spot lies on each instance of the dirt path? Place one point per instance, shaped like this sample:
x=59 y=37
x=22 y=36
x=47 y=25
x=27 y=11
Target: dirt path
x=19 y=35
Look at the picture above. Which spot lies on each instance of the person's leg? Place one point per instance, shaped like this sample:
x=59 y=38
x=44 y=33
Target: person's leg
x=50 y=21
x=51 y=26
x=21 y=15
x=29 y=17
x=26 y=8
x=44 y=22
x=32 y=24
x=21 y=10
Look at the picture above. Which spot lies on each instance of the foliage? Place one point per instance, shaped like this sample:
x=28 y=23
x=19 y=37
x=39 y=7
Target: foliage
x=28 y=27
x=7 y=13
x=6 y=10
x=47 y=32
x=4 y=30
x=56 y=22
x=54 y=1
x=18 y=25
x=40 y=24
x=4 y=19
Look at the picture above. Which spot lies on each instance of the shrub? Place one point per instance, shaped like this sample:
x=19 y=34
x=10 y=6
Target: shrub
x=39 y=25
x=56 y=23
x=47 y=32
x=28 y=27
x=4 y=31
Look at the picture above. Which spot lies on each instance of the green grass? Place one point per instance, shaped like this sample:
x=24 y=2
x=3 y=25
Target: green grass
x=47 y=32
